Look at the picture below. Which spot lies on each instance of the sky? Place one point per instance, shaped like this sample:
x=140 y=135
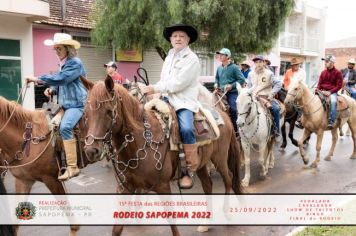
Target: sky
x=340 y=18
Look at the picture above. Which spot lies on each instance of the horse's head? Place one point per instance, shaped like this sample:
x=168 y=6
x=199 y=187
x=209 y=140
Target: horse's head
x=135 y=90
x=244 y=104
x=101 y=114
x=295 y=92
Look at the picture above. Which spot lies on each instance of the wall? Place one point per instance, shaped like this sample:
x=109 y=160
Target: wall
x=342 y=55
x=45 y=60
x=18 y=28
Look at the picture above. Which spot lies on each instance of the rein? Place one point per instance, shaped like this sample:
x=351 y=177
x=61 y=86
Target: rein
x=7 y=166
x=24 y=89
x=306 y=104
x=247 y=113
x=141 y=153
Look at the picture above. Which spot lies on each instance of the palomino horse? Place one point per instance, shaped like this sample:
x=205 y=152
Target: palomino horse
x=39 y=164
x=255 y=130
x=143 y=159
x=315 y=119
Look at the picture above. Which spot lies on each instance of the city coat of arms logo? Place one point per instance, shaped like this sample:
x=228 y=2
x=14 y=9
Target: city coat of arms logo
x=25 y=211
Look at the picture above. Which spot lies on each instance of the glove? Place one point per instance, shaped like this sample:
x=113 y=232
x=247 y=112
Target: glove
x=271 y=96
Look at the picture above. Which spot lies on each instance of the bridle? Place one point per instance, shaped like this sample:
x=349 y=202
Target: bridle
x=248 y=112
x=141 y=153
x=107 y=138
x=295 y=103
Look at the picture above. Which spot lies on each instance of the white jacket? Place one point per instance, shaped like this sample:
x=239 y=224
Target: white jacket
x=179 y=79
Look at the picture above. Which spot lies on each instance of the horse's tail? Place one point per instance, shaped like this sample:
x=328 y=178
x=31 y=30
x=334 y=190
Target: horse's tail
x=235 y=153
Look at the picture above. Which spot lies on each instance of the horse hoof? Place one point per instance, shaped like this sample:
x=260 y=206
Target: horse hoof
x=352 y=157
x=203 y=228
x=306 y=161
x=313 y=165
x=271 y=166
x=328 y=158
x=245 y=183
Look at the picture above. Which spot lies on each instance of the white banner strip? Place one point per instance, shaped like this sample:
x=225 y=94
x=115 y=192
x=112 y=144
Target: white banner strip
x=178 y=209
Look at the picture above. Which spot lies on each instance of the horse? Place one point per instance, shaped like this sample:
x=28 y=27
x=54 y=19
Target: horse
x=143 y=159
x=38 y=163
x=290 y=117
x=5 y=230
x=345 y=90
x=255 y=131
x=315 y=119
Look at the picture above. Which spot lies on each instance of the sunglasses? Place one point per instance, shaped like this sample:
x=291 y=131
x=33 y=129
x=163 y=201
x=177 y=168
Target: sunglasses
x=58 y=49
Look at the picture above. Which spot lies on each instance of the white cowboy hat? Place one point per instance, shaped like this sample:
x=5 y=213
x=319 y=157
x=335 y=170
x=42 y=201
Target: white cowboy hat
x=62 y=39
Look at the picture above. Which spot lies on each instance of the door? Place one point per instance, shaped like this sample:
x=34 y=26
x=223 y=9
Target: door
x=10 y=68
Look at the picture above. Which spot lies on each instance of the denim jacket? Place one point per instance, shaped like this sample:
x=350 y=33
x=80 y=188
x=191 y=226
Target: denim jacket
x=70 y=89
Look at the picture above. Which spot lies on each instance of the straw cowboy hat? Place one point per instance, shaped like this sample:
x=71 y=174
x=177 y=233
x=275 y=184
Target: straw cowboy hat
x=62 y=39
x=352 y=61
x=247 y=63
x=295 y=61
x=190 y=30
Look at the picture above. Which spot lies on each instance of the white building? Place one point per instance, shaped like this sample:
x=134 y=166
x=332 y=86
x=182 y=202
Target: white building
x=16 y=45
x=303 y=36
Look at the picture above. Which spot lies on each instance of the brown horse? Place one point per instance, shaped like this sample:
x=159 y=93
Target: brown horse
x=143 y=160
x=315 y=119
x=40 y=164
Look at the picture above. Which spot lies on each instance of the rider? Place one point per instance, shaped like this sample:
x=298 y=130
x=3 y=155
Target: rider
x=295 y=73
x=179 y=84
x=226 y=77
x=330 y=82
x=262 y=82
x=71 y=92
x=349 y=75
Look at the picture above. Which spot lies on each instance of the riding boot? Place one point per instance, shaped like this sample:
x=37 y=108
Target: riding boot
x=70 y=148
x=192 y=157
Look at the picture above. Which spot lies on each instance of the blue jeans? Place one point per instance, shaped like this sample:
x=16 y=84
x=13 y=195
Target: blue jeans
x=352 y=91
x=275 y=112
x=186 y=126
x=70 y=119
x=231 y=100
x=333 y=101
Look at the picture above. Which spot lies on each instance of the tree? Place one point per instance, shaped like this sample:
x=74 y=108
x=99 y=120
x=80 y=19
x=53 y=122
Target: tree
x=244 y=26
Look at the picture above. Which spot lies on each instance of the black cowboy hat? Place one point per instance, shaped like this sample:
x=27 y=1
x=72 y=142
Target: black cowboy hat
x=190 y=30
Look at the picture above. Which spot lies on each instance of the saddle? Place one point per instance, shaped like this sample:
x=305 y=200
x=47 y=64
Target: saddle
x=206 y=128
x=342 y=107
x=57 y=142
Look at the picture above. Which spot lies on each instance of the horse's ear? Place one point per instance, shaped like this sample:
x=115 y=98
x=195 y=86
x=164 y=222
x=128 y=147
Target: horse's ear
x=238 y=87
x=109 y=83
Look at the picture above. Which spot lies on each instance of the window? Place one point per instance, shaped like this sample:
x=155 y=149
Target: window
x=10 y=68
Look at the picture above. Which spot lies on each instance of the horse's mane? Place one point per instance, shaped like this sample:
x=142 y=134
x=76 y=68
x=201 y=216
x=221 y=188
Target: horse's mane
x=21 y=116
x=205 y=96
x=129 y=104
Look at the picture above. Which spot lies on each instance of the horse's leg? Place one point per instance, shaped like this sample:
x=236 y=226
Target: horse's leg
x=56 y=187
x=165 y=188
x=306 y=134
x=291 y=130
x=352 y=127
x=319 y=139
x=246 y=180
x=284 y=136
x=334 y=140
x=207 y=185
x=340 y=131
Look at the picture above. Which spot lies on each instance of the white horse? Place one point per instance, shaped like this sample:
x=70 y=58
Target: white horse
x=315 y=119
x=255 y=130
